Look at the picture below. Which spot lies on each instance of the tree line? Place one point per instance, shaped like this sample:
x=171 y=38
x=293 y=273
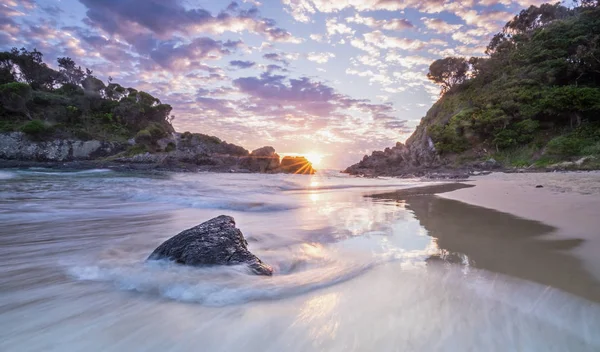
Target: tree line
x=71 y=101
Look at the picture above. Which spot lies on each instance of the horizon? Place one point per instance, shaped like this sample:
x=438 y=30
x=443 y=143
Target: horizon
x=330 y=81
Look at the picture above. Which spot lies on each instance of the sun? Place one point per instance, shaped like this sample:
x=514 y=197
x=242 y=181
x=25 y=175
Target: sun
x=314 y=158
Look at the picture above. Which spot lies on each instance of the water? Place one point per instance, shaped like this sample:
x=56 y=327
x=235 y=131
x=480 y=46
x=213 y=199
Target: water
x=352 y=273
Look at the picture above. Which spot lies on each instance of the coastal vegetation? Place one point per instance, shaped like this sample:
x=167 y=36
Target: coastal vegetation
x=72 y=103
x=533 y=101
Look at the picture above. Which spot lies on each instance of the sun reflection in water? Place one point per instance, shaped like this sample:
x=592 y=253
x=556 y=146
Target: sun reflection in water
x=319 y=313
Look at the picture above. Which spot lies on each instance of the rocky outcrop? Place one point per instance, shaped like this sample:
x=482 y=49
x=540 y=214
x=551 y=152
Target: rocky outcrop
x=214 y=242
x=411 y=159
x=296 y=165
x=178 y=152
x=19 y=146
x=262 y=160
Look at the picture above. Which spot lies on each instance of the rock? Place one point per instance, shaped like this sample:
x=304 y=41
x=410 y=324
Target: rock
x=296 y=165
x=565 y=165
x=19 y=146
x=262 y=160
x=539 y=186
x=214 y=242
x=490 y=164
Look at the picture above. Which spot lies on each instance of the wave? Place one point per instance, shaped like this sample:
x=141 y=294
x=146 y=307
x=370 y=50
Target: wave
x=203 y=202
x=7 y=175
x=337 y=187
x=51 y=172
x=295 y=274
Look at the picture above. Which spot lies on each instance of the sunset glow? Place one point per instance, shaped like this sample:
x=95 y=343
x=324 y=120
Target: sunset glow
x=314 y=158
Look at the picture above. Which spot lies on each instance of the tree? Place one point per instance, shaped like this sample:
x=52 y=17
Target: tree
x=477 y=65
x=588 y=3
x=448 y=72
x=14 y=97
x=92 y=84
x=69 y=72
x=32 y=70
x=7 y=71
x=535 y=17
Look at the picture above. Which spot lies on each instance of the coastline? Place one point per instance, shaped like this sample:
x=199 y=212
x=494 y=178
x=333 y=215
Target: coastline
x=80 y=165
x=568 y=201
x=502 y=223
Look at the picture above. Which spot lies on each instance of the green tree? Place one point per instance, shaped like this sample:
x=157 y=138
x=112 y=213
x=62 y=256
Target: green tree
x=70 y=73
x=448 y=72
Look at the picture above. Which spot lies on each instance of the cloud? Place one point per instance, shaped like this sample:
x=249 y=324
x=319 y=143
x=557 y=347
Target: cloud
x=302 y=10
x=164 y=18
x=273 y=68
x=242 y=64
x=315 y=98
x=333 y=27
x=394 y=24
x=491 y=20
x=440 y=26
x=408 y=61
x=183 y=57
x=277 y=58
x=320 y=58
x=317 y=37
x=380 y=40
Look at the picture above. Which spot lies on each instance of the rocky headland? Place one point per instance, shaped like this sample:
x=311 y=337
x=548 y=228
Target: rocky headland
x=177 y=152
x=532 y=104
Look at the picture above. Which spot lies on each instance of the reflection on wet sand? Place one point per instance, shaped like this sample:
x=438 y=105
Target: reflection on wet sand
x=496 y=241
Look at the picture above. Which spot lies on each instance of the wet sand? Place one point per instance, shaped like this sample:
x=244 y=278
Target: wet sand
x=570 y=202
x=504 y=224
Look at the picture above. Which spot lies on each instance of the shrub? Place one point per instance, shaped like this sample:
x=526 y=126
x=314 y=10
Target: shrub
x=566 y=146
x=136 y=149
x=143 y=136
x=170 y=147
x=506 y=139
x=34 y=127
x=591 y=150
x=8 y=126
x=14 y=96
x=447 y=138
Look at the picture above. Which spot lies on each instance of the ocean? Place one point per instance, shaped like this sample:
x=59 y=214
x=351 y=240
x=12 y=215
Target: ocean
x=351 y=272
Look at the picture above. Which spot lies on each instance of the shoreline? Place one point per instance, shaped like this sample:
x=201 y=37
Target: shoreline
x=502 y=223
x=81 y=165
x=568 y=201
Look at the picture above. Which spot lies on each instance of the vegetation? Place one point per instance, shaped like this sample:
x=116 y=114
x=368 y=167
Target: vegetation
x=536 y=96
x=72 y=102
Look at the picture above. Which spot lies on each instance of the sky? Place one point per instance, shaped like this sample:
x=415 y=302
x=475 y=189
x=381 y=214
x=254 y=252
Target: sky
x=330 y=78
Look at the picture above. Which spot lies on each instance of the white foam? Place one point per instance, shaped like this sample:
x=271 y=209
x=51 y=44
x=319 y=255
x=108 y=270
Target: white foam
x=50 y=172
x=7 y=175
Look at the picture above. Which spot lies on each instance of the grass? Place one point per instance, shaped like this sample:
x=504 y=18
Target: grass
x=516 y=157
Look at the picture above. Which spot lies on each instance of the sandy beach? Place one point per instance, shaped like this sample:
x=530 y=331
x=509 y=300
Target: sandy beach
x=570 y=202
x=506 y=223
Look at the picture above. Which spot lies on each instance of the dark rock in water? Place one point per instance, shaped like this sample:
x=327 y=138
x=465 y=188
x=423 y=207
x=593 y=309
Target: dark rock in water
x=539 y=186
x=214 y=242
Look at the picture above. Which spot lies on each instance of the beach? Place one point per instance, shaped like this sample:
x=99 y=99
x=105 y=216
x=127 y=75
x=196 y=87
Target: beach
x=567 y=201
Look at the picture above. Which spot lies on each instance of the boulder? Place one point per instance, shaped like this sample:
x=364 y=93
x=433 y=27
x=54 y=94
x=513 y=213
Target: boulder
x=296 y=165
x=490 y=164
x=214 y=242
x=261 y=160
